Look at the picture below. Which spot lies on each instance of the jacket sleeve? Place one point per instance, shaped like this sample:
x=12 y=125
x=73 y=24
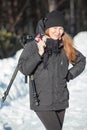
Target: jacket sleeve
x=78 y=66
x=29 y=58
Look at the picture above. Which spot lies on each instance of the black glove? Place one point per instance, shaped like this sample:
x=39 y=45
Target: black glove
x=69 y=77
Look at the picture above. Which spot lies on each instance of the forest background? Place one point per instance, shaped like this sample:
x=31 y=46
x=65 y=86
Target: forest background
x=18 y=17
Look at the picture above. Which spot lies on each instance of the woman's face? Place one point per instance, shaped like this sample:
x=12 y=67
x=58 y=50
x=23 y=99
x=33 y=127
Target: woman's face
x=56 y=32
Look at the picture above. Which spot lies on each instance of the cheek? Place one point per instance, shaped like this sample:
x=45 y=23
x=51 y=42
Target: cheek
x=61 y=32
x=50 y=34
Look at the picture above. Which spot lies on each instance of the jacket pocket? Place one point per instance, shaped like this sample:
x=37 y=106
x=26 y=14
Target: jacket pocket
x=64 y=95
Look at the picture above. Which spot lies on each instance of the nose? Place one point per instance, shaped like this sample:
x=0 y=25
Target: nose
x=57 y=30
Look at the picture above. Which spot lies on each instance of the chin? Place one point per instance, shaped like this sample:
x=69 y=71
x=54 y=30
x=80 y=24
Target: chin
x=55 y=38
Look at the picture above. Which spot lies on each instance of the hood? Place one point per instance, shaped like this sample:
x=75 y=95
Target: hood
x=40 y=27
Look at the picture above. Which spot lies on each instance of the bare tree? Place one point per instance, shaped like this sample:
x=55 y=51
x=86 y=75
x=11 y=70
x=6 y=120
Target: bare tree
x=52 y=5
x=55 y=4
x=72 y=18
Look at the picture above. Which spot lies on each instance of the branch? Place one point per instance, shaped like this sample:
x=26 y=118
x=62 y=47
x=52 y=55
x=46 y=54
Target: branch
x=20 y=14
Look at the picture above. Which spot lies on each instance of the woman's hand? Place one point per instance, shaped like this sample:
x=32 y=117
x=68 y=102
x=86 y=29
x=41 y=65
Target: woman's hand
x=41 y=45
x=44 y=38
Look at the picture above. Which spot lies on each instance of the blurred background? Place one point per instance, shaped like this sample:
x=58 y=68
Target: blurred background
x=18 y=17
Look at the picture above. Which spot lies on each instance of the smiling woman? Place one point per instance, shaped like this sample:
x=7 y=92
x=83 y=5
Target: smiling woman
x=48 y=62
x=55 y=32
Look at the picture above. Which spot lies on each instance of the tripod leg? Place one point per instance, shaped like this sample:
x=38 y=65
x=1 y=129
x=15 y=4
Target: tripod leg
x=10 y=84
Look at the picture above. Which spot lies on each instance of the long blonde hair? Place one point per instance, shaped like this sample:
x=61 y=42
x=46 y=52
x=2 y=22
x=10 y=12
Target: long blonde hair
x=68 y=46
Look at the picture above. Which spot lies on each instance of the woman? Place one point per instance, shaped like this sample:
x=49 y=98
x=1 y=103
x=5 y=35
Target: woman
x=47 y=58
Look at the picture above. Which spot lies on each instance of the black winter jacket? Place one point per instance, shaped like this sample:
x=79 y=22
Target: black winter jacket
x=51 y=83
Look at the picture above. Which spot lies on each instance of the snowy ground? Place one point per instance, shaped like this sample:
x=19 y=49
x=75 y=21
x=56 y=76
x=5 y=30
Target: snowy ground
x=15 y=114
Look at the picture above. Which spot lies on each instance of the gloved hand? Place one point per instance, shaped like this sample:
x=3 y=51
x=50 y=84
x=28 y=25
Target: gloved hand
x=69 y=76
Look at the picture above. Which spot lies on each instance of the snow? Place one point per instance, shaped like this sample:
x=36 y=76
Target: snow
x=15 y=113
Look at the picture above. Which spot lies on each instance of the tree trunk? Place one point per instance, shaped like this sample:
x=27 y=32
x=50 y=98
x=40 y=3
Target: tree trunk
x=79 y=14
x=52 y=5
x=72 y=18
